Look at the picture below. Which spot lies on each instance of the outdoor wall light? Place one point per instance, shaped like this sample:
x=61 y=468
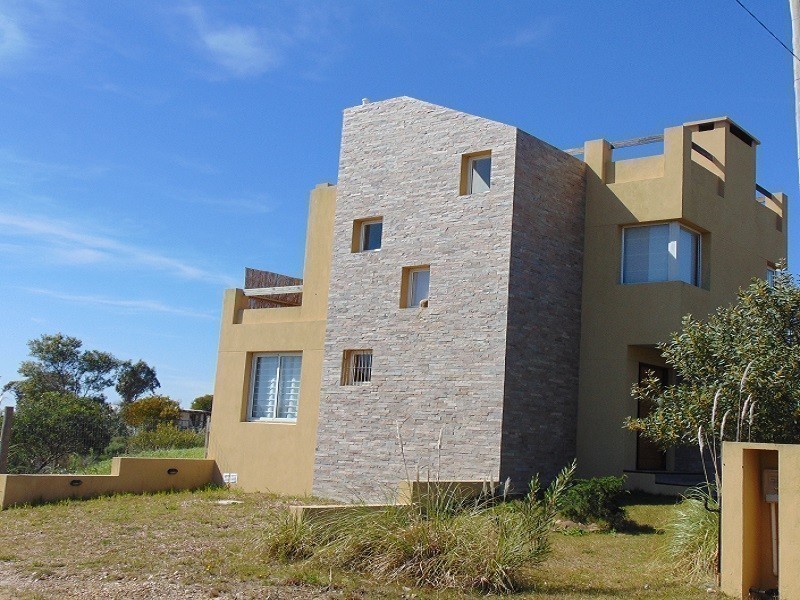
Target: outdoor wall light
x=76 y=482
x=172 y=471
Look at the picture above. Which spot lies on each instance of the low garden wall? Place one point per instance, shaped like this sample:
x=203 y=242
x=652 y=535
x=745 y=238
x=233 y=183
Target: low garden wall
x=128 y=476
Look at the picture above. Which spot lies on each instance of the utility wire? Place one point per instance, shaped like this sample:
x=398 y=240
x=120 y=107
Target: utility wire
x=760 y=22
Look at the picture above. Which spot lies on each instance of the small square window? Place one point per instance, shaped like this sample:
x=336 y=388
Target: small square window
x=367 y=234
x=415 y=287
x=476 y=173
x=357 y=367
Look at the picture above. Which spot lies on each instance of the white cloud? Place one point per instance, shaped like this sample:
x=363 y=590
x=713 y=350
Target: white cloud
x=67 y=241
x=529 y=36
x=13 y=41
x=126 y=305
x=243 y=51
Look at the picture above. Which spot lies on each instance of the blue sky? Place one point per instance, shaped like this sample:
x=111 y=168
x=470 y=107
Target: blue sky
x=150 y=151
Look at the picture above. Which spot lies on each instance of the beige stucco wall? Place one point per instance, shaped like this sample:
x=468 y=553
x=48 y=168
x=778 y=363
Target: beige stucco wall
x=621 y=324
x=128 y=476
x=746 y=519
x=277 y=456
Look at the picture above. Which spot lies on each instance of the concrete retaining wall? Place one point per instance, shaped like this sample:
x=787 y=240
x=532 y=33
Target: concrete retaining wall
x=128 y=476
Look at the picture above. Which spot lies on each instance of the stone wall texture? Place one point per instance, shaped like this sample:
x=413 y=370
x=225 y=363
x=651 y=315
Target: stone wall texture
x=544 y=313
x=437 y=371
x=482 y=383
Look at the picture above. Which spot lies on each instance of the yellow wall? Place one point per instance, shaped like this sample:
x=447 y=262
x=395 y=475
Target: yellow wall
x=276 y=456
x=621 y=324
x=128 y=476
x=746 y=527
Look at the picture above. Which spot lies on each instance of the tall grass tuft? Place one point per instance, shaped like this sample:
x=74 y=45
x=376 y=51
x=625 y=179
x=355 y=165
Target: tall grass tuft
x=692 y=535
x=441 y=542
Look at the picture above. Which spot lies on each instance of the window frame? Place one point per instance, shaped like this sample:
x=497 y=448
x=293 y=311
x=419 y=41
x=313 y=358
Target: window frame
x=467 y=170
x=251 y=395
x=407 y=289
x=359 y=234
x=349 y=368
x=673 y=237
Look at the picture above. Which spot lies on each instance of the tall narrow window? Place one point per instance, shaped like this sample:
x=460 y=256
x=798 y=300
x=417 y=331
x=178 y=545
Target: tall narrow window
x=275 y=387
x=418 y=284
x=476 y=173
x=771 y=274
x=357 y=367
x=663 y=252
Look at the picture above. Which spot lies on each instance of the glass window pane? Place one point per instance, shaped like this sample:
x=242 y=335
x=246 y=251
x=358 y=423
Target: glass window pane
x=420 y=281
x=688 y=256
x=372 y=235
x=289 y=387
x=481 y=173
x=265 y=386
x=646 y=254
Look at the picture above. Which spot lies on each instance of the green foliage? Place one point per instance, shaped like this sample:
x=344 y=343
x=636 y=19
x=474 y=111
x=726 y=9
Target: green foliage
x=693 y=535
x=740 y=369
x=150 y=412
x=49 y=428
x=595 y=500
x=136 y=379
x=203 y=402
x=164 y=436
x=440 y=543
x=59 y=365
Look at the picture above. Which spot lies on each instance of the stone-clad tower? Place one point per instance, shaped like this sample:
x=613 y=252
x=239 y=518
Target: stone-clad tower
x=492 y=218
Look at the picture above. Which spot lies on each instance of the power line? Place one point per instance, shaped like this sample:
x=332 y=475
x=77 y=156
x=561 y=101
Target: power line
x=760 y=22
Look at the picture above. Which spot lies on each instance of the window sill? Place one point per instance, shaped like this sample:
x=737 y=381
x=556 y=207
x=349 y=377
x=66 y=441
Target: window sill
x=279 y=421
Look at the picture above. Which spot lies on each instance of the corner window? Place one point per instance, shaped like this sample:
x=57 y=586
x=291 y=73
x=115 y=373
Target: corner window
x=367 y=234
x=476 y=173
x=664 y=252
x=274 y=387
x=357 y=367
x=415 y=287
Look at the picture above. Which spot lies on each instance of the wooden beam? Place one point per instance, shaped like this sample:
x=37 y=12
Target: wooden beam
x=274 y=291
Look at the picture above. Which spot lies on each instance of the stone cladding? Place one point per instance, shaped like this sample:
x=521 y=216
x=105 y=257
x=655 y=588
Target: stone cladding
x=441 y=374
x=544 y=314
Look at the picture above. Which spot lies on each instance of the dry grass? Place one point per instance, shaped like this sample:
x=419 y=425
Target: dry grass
x=185 y=545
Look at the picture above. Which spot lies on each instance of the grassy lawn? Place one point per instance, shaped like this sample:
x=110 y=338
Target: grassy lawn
x=103 y=467
x=188 y=545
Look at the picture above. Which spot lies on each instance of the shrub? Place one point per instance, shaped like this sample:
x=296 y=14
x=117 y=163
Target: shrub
x=595 y=500
x=149 y=412
x=439 y=543
x=693 y=535
x=165 y=436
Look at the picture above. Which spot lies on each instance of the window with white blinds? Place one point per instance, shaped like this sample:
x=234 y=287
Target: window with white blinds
x=275 y=387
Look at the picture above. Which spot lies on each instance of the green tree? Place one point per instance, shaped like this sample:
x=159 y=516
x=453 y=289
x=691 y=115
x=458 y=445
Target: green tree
x=147 y=413
x=738 y=373
x=60 y=365
x=203 y=402
x=51 y=427
x=136 y=379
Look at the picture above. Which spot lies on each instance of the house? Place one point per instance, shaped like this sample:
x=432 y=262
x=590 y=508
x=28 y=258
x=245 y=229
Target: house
x=476 y=304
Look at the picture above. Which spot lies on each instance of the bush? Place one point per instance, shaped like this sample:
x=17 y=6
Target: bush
x=150 y=412
x=439 y=543
x=165 y=436
x=595 y=500
x=693 y=535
